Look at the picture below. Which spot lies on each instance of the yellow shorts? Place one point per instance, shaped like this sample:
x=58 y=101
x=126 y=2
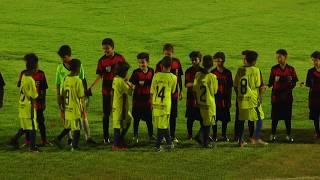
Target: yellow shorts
x=26 y=124
x=252 y=114
x=162 y=122
x=118 y=123
x=72 y=124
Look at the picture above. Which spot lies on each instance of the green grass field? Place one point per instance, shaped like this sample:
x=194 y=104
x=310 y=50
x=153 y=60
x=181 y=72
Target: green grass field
x=209 y=26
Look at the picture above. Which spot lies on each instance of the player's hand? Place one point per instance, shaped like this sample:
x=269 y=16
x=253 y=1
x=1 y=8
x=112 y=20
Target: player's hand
x=190 y=84
x=263 y=88
x=85 y=115
x=88 y=93
x=62 y=115
x=180 y=96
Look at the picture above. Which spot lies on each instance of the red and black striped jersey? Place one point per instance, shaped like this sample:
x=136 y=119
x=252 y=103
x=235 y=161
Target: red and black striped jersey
x=282 y=82
x=142 y=82
x=2 y=83
x=106 y=69
x=41 y=84
x=313 y=82
x=225 y=83
x=189 y=78
x=176 y=69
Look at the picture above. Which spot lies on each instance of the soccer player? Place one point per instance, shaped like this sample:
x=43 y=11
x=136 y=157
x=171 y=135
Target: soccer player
x=40 y=102
x=192 y=112
x=2 y=84
x=27 y=110
x=205 y=87
x=247 y=85
x=141 y=78
x=283 y=79
x=313 y=82
x=73 y=104
x=121 y=115
x=63 y=70
x=163 y=86
x=105 y=71
x=223 y=96
x=176 y=69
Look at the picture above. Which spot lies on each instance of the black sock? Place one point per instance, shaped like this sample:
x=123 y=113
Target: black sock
x=32 y=139
x=63 y=134
x=189 y=126
x=150 y=127
x=122 y=136
x=76 y=137
x=116 y=136
x=215 y=130
x=172 y=127
x=136 y=127
x=42 y=127
x=251 y=128
x=19 y=133
x=288 y=126
x=316 y=126
x=166 y=135
x=241 y=129
x=224 y=128
x=236 y=129
x=206 y=133
x=274 y=126
x=105 y=122
x=159 y=137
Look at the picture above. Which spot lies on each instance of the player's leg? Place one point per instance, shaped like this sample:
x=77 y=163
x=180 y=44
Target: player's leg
x=116 y=140
x=214 y=131
x=251 y=131
x=287 y=121
x=317 y=127
x=236 y=125
x=224 y=131
x=148 y=119
x=136 y=121
x=241 y=129
x=274 y=121
x=105 y=121
x=75 y=128
x=42 y=127
x=15 y=139
x=173 y=119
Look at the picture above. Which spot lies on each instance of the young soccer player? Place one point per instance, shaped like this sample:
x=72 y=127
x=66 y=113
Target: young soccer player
x=313 y=82
x=176 y=69
x=205 y=87
x=121 y=115
x=247 y=85
x=63 y=70
x=192 y=111
x=2 y=84
x=105 y=71
x=223 y=96
x=141 y=78
x=163 y=85
x=73 y=104
x=27 y=110
x=40 y=102
x=283 y=79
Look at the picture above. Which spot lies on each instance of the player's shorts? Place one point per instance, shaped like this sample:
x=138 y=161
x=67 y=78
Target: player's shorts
x=223 y=115
x=252 y=114
x=281 y=111
x=174 y=108
x=162 y=122
x=106 y=104
x=193 y=113
x=144 y=114
x=74 y=125
x=119 y=123
x=207 y=116
x=314 y=114
x=28 y=124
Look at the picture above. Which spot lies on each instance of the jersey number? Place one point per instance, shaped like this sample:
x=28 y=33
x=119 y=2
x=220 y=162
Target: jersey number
x=160 y=93
x=243 y=86
x=203 y=89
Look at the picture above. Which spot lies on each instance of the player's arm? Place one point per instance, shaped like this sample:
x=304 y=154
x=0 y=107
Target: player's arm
x=271 y=78
x=180 y=81
x=308 y=80
x=124 y=108
x=294 y=79
x=235 y=83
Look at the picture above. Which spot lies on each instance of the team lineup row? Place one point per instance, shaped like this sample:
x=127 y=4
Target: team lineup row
x=155 y=95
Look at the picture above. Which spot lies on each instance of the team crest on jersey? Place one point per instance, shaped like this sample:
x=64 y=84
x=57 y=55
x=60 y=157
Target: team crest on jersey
x=108 y=68
x=141 y=83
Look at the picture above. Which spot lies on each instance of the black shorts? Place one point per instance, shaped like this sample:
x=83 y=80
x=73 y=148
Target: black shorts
x=281 y=111
x=223 y=115
x=193 y=113
x=106 y=100
x=144 y=114
x=174 y=108
x=314 y=114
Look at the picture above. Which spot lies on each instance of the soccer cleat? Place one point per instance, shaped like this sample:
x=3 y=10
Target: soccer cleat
x=170 y=147
x=135 y=140
x=57 y=143
x=34 y=150
x=45 y=143
x=252 y=140
x=175 y=140
x=225 y=139
x=289 y=139
x=90 y=141
x=317 y=136
x=69 y=142
x=260 y=141
x=273 y=138
x=189 y=137
x=235 y=139
x=242 y=143
x=106 y=141
x=158 y=149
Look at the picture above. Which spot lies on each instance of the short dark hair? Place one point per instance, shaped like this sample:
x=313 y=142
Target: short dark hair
x=219 y=55
x=108 y=41
x=167 y=47
x=315 y=55
x=195 y=54
x=244 y=52
x=143 y=55
x=251 y=56
x=166 y=61
x=65 y=50
x=207 y=61
x=75 y=65
x=122 y=69
x=282 y=52
x=31 y=61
